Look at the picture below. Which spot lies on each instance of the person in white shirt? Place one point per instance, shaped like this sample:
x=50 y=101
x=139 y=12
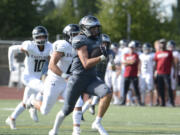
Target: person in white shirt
x=171 y=46
x=37 y=53
x=123 y=49
x=146 y=82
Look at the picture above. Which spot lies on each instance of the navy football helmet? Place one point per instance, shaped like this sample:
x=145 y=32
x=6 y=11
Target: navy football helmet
x=70 y=31
x=171 y=45
x=37 y=32
x=88 y=22
x=146 y=48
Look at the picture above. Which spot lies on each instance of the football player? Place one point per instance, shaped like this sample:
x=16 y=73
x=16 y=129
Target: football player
x=37 y=53
x=146 y=72
x=55 y=82
x=171 y=46
x=84 y=79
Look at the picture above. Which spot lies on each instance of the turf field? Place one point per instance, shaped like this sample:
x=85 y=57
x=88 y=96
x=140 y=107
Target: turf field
x=118 y=121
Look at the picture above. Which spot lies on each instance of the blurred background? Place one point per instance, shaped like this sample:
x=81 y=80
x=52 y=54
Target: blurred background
x=143 y=20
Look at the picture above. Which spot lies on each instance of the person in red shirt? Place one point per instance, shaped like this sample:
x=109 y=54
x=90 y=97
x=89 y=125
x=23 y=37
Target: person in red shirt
x=131 y=62
x=164 y=61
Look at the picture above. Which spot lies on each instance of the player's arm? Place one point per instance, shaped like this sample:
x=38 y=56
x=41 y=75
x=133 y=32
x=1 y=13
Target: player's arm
x=84 y=57
x=56 y=56
x=14 y=49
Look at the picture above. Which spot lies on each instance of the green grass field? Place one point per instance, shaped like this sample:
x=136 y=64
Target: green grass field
x=117 y=121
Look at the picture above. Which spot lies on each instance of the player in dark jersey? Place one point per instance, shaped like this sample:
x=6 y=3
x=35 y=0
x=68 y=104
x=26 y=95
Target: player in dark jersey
x=84 y=78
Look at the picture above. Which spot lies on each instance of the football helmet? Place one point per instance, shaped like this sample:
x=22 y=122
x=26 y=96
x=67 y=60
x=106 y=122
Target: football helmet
x=88 y=22
x=106 y=39
x=146 y=48
x=171 y=45
x=37 y=32
x=123 y=43
x=133 y=44
x=70 y=31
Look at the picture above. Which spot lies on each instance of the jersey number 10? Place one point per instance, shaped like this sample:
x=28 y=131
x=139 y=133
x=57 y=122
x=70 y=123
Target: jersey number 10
x=39 y=65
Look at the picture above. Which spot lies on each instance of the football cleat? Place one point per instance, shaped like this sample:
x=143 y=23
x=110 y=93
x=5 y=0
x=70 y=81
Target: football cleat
x=11 y=123
x=76 y=132
x=33 y=114
x=52 y=132
x=99 y=128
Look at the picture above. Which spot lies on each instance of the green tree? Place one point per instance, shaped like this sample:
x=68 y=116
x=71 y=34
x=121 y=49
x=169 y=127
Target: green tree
x=145 y=24
x=176 y=22
x=17 y=21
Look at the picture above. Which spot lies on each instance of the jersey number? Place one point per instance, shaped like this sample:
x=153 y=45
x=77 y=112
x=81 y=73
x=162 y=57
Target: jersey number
x=38 y=65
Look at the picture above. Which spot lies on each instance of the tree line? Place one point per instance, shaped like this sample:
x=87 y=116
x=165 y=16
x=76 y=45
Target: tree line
x=128 y=19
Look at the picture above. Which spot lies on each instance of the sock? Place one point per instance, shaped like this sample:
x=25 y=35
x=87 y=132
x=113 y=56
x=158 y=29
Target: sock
x=77 y=117
x=95 y=100
x=143 y=96
x=76 y=129
x=116 y=99
x=18 y=110
x=58 y=121
x=85 y=106
x=98 y=119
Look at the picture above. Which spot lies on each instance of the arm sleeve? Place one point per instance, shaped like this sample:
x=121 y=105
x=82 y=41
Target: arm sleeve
x=11 y=51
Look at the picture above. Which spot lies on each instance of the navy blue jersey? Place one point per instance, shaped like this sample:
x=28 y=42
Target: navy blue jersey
x=91 y=43
x=101 y=67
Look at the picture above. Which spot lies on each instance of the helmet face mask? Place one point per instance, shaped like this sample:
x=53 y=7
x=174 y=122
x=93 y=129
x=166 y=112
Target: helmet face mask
x=70 y=31
x=146 y=48
x=40 y=35
x=90 y=26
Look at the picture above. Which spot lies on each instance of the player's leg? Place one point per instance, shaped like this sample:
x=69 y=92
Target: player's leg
x=150 y=87
x=127 y=82
x=95 y=100
x=136 y=88
x=52 y=89
x=19 y=109
x=174 y=85
x=161 y=86
x=77 y=114
x=143 y=87
x=115 y=88
x=168 y=86
x=98 y=87
x=73 y=91
x=33 y=82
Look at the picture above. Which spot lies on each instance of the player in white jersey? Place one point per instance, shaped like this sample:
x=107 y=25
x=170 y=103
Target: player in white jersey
x=171 y=47
x=55 y=82
x=37 y=53
x=123 y=49
x=146 y=82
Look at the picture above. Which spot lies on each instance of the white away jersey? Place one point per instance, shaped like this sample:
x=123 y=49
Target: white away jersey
x=66 y=48
x=147 y=63
x=35 y=61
